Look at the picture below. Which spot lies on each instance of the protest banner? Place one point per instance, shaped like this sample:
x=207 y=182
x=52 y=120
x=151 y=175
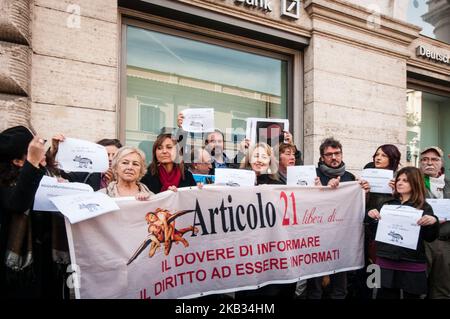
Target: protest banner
x=218 y=239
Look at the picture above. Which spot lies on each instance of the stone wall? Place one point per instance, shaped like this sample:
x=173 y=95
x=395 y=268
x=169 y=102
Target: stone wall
x=15 y=62
x=355 y=82
x=75 y=68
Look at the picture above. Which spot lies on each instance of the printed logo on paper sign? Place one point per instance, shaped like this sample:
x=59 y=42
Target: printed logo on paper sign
x=395 y=236
x=83 y=162
x=161 y=229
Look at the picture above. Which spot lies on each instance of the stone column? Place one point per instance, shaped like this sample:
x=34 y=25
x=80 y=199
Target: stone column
x=438 y=15
x=355 y=80
x=15 y=62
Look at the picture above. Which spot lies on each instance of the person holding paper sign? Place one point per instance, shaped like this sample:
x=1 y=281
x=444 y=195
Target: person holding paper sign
x=215 y=146
x=33 y=245
x=95 y=180
x=200 y=165
x=438 y=252
x=261 y=160
x=386 y=157
x=128 y=167
x=167 y=171
x=404 y=268
x=331 y=171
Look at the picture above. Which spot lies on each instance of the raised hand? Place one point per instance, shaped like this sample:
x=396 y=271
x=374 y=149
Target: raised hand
x=36 y=151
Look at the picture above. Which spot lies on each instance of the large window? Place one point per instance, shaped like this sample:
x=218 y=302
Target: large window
x=167 y=72
x=428 y=118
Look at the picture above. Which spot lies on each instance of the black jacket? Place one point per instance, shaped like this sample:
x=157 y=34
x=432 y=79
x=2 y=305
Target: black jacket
x=17 y=199
x=397 y=253
x=154 y=184
x=266 y=179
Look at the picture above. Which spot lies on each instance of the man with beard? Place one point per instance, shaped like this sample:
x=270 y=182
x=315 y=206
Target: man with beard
x=438 y=251
x=331 y=171
x=215 y=146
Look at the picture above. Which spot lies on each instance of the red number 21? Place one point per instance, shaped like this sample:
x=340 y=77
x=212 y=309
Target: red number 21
x=286 y=220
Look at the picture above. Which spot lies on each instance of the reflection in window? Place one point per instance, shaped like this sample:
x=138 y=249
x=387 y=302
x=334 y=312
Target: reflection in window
x=167 y=74
x=428 y=118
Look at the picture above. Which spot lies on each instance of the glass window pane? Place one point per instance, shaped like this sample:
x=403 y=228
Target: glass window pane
x=168 y=73
x=428 y=118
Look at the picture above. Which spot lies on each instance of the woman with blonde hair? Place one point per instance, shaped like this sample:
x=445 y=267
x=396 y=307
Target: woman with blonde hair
x=260 y=158
x=128 y=167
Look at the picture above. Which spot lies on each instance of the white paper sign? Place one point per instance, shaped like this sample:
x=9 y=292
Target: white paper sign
x=398 y=226
x=50 y=187
x=76 y=155
x=301 y=175
x=84 y=206
x=234 y=177
x=198 y=120
x=263 y=130
x=441 y=207
x=378 y=180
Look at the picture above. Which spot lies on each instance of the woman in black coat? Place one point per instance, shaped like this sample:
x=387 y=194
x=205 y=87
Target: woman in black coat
x=404 y=268
x=28 y=238
x=386 y=156
x=167 y=170
x=260 y=158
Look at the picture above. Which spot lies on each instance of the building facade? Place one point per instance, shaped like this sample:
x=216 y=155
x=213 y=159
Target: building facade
x=348 y=69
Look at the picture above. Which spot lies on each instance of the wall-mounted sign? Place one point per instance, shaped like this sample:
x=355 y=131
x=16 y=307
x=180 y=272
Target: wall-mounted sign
x=265 y=5
x=423 y=52
x=290 y=8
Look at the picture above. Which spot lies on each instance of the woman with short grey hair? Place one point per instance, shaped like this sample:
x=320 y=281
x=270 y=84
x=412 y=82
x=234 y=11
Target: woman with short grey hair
x=128 y=167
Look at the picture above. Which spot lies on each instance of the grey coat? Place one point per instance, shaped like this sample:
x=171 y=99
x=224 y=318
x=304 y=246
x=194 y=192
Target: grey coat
x=444 y=230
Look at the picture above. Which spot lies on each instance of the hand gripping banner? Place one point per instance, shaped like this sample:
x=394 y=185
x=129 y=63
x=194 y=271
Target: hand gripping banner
x=218 y=239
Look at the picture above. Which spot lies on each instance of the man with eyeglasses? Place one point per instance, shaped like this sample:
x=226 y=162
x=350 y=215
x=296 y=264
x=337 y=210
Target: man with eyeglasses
x=331 y=171
x=438 y=251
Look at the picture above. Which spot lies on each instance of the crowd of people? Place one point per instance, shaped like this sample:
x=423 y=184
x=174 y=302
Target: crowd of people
x=33 y=245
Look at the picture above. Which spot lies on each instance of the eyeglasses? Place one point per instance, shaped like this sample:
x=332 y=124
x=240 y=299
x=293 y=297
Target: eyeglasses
x=328 y=155
x=430 y=159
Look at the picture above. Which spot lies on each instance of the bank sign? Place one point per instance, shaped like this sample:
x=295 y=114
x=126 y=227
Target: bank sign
x=289 y=8
x=425 y=53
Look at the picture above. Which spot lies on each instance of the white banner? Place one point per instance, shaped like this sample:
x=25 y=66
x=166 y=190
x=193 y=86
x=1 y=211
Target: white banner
x=220 y=239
